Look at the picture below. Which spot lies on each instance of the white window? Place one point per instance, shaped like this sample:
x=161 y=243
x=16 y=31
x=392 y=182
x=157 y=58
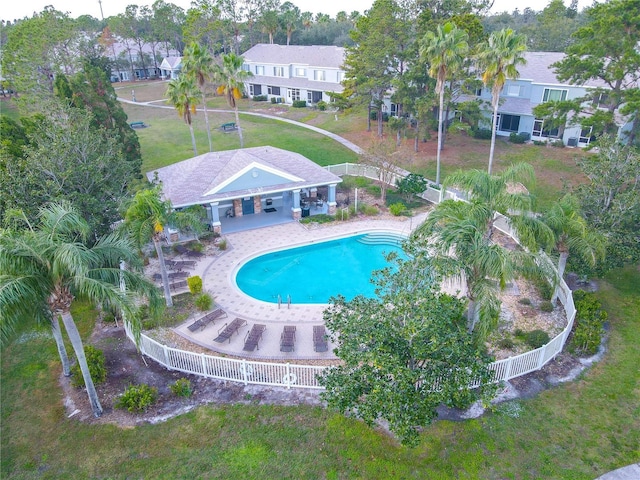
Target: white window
x=301 y=72
x=319 y=75
x=586 y=135
x=259 y=70
x=513 y=90
x=278 y=71
x=540 y=131
x=554 y=95
x=271 y=90
x=340 y=76
x=293 y=94
x=601 y=100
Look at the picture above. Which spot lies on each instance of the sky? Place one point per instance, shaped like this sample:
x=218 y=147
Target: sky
x=12 y=9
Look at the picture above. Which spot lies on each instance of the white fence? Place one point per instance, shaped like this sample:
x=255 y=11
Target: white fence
x=306 y=376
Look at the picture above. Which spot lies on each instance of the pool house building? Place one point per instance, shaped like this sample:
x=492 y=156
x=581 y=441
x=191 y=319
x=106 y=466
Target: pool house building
x=250 y=187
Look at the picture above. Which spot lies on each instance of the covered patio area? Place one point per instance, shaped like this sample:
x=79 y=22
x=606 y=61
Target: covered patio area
x=249 y=188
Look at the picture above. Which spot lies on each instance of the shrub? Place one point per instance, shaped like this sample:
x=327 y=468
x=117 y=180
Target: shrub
x=519 y=333
x=350 y=181
x=299 y=104
x=558 y=143
x=97 y=368
x=320 y=218
x=369 y=210
x=482 y=133
x=544 y=288
x=137 y=398
x=518 y=137
x=546 y=306
x=385 y=116
x=182 y=388
x=197 y=247
x=397 y=209
x=322 y=105
x=222 y=244
x=195 y=284
x=374 y=190
x=412 y=184
x=203 y=302
x=506 y=343
x=524 y=301
x=273 y=100
x=260 y=98
x=539 y=142
x=536 y=338
x=589 y=323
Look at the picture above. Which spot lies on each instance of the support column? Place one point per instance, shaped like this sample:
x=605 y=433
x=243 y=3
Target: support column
x=296 y=211
x=331 y=201
x=237 y=207
x=216 y=226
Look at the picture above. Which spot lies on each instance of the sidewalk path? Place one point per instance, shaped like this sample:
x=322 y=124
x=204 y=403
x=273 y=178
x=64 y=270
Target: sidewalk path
x=350 y=145
x=630 y=472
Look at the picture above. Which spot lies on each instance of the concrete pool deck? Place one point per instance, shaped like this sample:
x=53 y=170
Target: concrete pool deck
x=218 y=279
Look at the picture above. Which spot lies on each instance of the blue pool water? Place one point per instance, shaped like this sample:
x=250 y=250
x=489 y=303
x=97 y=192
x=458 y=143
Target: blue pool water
x=314 y=273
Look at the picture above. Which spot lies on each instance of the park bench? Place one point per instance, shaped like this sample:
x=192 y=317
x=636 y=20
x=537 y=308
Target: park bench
x=137 y=125
x=227 y=127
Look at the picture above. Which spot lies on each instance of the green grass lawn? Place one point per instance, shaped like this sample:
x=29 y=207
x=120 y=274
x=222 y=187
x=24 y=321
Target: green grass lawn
x=578 y=430
x=167 y=140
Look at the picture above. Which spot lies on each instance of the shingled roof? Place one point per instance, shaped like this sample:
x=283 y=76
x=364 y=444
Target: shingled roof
x=326 y=56
x=212 y=177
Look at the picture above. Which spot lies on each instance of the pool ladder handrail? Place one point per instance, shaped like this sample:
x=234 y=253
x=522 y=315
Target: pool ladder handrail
x=288 y=301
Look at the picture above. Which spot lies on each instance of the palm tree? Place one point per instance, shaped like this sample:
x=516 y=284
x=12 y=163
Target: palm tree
x=572 y=234
x=146 y=217
x=231 y=77
x=499 y=58
x=182 y=94
x=290 y=15
x=197 y=63
x=459 y=236
x=444 y=50
x=270 y=23
x=46 y=266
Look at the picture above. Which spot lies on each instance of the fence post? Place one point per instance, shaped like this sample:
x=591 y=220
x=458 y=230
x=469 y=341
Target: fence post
x=244 y=371
x=543 y=351
x=507 y=371
x=288 y=377
x=204 y=364
x=165 y=349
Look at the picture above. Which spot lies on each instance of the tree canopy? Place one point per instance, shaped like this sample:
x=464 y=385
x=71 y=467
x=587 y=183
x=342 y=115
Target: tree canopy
x=65 y=158
x=404 y=353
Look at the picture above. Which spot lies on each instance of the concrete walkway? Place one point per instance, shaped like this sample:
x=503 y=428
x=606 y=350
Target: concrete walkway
x=218 y=274
x=630 y=472
x=350 y=145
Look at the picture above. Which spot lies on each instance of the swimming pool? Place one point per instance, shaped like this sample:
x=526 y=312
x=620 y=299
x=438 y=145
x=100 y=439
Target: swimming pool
x=314 y=273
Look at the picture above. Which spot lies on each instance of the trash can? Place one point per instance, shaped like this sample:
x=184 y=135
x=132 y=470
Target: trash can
x=305 y=211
